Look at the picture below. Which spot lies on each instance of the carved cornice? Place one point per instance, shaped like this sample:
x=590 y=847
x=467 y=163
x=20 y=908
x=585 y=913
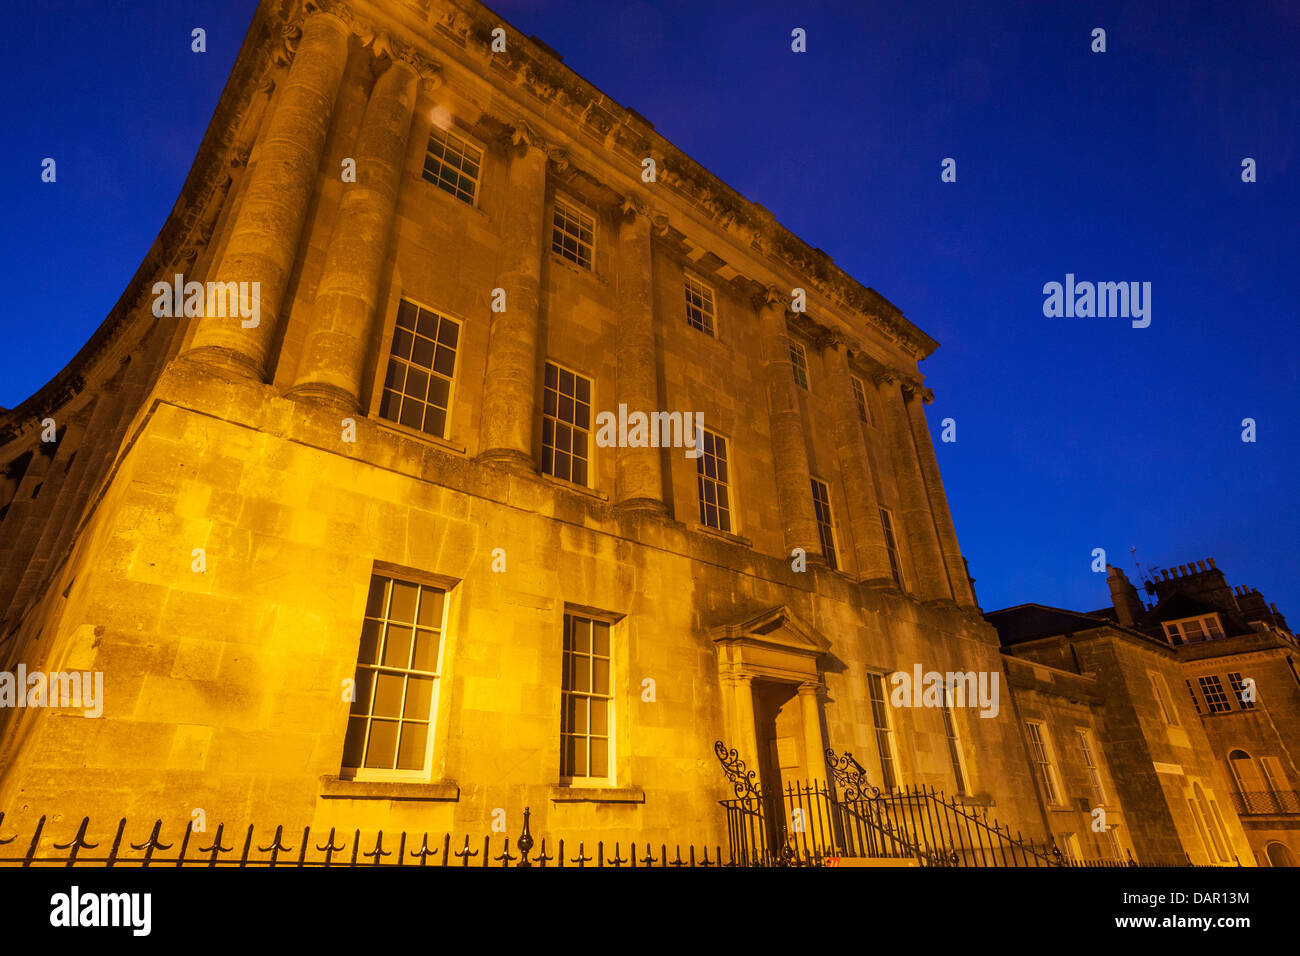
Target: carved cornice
x=617 y=129
x=380 y=42
x=831 y=339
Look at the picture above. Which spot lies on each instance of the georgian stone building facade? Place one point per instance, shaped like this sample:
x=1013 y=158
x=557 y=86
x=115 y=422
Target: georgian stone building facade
x=391 y=480
x=1195 y=702
x=360 y=554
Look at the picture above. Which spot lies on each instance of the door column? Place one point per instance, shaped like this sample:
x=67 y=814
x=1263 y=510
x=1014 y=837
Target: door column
x=282 y=176
x=510 y=383
x=338 y=339
x=789 y=451
x=814 y=742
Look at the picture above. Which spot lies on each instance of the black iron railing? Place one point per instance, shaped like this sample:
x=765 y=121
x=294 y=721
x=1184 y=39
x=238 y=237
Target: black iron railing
x=241 y=848
x=1250 y=802
x=847 y=816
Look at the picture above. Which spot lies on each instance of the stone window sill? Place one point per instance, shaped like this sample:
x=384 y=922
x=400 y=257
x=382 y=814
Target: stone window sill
x=723 y=535
x=414 y=433
x=337 y=788
x=561 y=794
x=590 y=274
x=575 y=488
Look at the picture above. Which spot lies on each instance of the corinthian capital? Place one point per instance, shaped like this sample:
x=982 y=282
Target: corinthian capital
x=634 y=207
x=768 y=297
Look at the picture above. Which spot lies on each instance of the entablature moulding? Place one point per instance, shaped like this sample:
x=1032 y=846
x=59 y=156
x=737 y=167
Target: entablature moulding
x=775 y=645
x=458 y=34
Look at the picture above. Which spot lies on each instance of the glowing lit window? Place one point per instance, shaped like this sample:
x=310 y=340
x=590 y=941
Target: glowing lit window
x=391 y=720
x=586 y=702
x=421 y=366
x=453 y=164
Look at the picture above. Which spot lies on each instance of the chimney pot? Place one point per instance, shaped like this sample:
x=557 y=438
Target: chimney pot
x=1211 y=562
x=1201 y=565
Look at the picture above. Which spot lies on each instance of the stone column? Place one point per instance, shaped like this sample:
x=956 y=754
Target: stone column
x=855 y=470
x=814 y=742
x=333 y=358
x=510 y=384
x=265 y=235
x=789 y=451
x=747 y=745
x=640 y=470
x=958 y=580
x=918 y=524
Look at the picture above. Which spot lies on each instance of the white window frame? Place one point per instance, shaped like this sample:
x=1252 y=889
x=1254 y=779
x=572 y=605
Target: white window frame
x=381 y=373
x=708 y=297
x=829 y=524
x=451 y=134
x=733 y=512
x=588 y=432
x=1044 y=757
x=610 y=778
x=953 y=740
x=1211 y=689
x=424 y=774
x=860 y=396
x=1160 y=691
x=799 y=364
x=889 y=730
x=1208 y=628
x=1089 y=751
x=580 y=214
x=895 y=553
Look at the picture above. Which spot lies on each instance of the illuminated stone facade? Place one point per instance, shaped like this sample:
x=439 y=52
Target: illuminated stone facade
x=331 y=557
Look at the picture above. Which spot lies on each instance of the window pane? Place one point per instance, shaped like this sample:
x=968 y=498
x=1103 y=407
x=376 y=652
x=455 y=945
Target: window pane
x=365 y=680
x=430 y=607
x=410 y=755
x=599 y=757
x=370 y=632
x=419 y=698
x=377 y=596
x=388 y=694
x=355 y=741
x=383 y=744
x=600 y=717
x=397 y=646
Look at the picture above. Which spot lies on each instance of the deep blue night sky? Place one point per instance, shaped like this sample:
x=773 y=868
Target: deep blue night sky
x=1072 y=433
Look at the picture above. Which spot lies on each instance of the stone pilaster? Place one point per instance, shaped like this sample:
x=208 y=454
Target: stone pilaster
x=510 y=385
x=265 y=235
x=918 y=524
x=640 y=470
x=952 y=559
x=855 y=470
x=333 y=358
x=789 y=450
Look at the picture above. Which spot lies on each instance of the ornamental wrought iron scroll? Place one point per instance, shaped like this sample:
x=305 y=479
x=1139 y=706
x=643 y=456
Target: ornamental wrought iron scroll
x=741 y=779
x=850 y=776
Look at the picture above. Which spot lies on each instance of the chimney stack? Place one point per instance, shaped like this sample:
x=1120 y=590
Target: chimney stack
x=1128 y=606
